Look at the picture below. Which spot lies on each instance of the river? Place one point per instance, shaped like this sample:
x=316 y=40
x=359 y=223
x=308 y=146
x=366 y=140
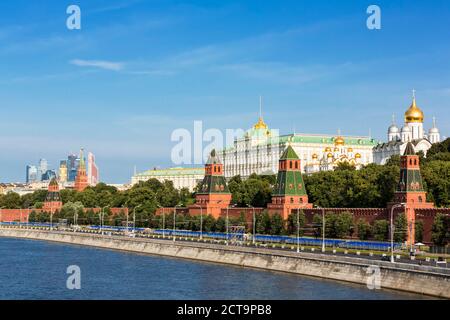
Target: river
x=37 y=270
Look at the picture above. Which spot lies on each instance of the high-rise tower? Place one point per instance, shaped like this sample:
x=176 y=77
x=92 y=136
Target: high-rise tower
x=63 y=171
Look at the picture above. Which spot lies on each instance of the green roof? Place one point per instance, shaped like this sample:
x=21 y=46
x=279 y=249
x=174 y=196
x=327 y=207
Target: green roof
x=289 y=153
x=352 y=141
x=172 y=172
x=410 y=181
x=289 y=183
x=409 y=150
x=213 y=184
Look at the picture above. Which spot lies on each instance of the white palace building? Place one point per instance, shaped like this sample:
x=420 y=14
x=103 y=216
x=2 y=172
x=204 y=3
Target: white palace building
x=260 y=148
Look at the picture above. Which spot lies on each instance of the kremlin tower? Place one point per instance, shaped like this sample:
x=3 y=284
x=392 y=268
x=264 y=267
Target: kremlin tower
x=289 y=192
x=53 y=200
x=213 y=194
x=81 y=180
x=410 y=189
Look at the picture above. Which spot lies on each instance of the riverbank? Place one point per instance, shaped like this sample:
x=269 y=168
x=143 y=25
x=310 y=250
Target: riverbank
x=411 y=278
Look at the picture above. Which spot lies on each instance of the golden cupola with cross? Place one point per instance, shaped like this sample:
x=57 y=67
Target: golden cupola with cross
x=414 y=113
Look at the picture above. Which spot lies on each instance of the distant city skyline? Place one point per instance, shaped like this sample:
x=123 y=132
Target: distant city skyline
x=138 y=70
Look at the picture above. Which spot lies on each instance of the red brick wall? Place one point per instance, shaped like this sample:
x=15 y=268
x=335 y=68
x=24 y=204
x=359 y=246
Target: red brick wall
x=10 y=215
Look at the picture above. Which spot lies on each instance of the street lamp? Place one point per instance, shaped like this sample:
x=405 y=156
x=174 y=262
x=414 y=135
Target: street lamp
x=164 y=222
x=323 y=227
x=298 y=230
x=254 y=223
x=227 y=221
x=51 y=220
x=75 y=220
x=134 y=217
x=102 y=217
x=174 y=218
x=400 y=205
x=201 y=219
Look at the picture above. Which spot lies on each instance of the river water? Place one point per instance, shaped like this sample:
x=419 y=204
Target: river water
x=32 y=269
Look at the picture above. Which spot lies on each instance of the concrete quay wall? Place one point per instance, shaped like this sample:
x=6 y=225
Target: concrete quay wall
x=411 y=278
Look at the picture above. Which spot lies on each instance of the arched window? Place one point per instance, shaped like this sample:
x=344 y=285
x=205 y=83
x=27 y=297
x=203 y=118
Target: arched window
x=290 y=164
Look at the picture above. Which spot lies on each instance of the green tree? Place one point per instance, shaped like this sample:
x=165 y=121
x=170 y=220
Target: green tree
x=440 y=231
x=381 y=230
x=419 y=231
x=11 y=200
x=363 y=229
x=401 y=228
x=277 y=225
x=292 y=223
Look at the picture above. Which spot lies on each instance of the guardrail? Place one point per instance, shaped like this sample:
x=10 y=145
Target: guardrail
x=303 y=241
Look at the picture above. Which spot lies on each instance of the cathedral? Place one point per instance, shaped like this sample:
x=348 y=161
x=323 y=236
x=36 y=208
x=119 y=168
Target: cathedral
x=412 y=131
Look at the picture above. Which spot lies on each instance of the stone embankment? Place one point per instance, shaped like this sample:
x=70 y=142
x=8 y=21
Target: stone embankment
x=399 y=276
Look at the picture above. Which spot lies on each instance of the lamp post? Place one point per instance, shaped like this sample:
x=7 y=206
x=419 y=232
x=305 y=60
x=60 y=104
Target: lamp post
x=392 y=228
x=298 y=230
x=174 y=219
x=227 y=221
x=102 y=217
x=164 y=223
x=254 y=223
x=410 y=226
x=323 y=227
x=134 y=217
x=201 y=219
x=75 y=222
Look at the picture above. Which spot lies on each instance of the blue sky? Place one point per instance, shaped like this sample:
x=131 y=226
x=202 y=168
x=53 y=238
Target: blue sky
x=137 y=70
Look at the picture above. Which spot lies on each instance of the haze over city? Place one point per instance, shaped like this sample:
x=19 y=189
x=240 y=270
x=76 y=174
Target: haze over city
x=137 y=70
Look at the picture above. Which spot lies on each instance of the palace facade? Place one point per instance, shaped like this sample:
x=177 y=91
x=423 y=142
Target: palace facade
x=260 y=149
x=180 y=177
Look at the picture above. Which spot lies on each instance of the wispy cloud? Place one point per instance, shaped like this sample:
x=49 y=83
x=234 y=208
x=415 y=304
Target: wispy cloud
x=102 y=64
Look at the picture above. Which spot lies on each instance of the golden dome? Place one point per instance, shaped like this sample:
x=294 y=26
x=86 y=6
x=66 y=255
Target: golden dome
x=327 y=149
x=336 y=149
x=315 y=156
x=339 y=141
x=260 y=124
x=330 y=155
x=350 y=149
x=358 y=156
x=414 y=114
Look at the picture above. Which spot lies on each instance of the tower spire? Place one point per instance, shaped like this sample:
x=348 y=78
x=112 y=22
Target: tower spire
x=82 y=164
x=260 y=107
x=434 y=122
x=393 y=118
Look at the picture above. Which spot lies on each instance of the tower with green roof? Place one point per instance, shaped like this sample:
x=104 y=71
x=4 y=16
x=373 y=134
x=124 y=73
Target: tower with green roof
x=213 y=194
x=289 y=192
x=410 y=190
